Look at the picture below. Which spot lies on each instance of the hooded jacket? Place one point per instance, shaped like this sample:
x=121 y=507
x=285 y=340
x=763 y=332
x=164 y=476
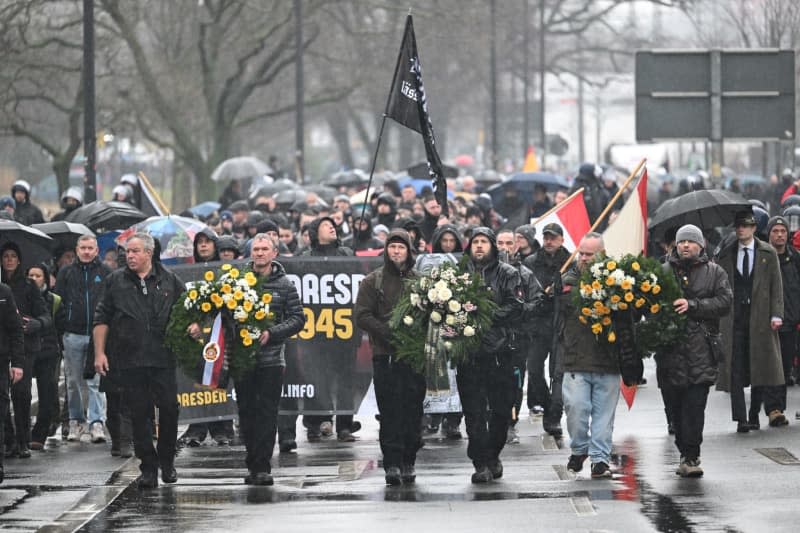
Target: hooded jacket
x=379 y=293
x=436 y=239
x=362 y=240
x=30 y=303
x=316 y=249
x=388 y=218
x=506 y=286
x=11 y=339
x=25 y=212
x=209 y=233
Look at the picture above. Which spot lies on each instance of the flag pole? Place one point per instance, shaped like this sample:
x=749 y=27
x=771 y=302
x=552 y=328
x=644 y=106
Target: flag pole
x=383 y=119
x=153 y=192
x=607 y=210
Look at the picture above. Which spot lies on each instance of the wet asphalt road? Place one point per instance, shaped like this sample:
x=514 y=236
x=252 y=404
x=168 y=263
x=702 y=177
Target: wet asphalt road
x=340 y=487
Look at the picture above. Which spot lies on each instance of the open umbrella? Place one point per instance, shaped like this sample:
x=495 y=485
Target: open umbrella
x=347 y=178
x=35 y=246
x=325 y=193
x=205 y=209
x=175 y=233
x=287 y=198
x=237 y=168
x=464 y=160
x=705 y=209
x=106 y=216
x=64 y=234
x=518 y=189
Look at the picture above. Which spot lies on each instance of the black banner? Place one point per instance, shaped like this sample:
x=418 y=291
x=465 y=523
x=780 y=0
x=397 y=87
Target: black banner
x=328 y=364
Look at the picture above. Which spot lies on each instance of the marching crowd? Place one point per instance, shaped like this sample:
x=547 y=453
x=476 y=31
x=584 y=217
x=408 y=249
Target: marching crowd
x=104 y=314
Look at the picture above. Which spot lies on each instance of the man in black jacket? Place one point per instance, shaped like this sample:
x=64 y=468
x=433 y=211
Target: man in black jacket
x=259 y=391
x=399 y=390
x=687 y=372
x=486 y=381
x=789 y=260
x=80 y=286
x=26 y=212
x=12 y=355
x=130 y=323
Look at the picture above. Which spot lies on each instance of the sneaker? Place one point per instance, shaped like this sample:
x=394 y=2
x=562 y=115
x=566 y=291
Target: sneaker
x=393 y=476
x=496 y=468
x=326 y=428
x=482 y=475
x=777 y=419
x=575 y=463
x=287 y=445
x=600 y=470
x=345 y=436
x=97 y=432
x=75 y=431
x=430 y=429
x=690 y=468
x=408 y=473
x=23 y=451
x=513 y=436
x=537 y=410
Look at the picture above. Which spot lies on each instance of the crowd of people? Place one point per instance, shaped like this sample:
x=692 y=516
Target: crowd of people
x=104 y=313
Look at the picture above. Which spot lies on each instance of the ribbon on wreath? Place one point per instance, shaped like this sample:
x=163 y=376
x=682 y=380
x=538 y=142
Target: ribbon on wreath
x=214 y=363
x=436 y=378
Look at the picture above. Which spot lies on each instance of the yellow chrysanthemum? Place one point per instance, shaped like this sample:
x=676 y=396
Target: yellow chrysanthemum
x=596 y=285
x=645 y=286
x=640 y=302
x=597 y=328
x=635 y=266
x=612 y=337
x=622 y=306
x=193 y=294
x=610 y=281
x=582 y=319
x=606 y=321
x=234 y=273
x=655 y=308
x=216 y=299
x=208 y=276
x=615 y=299
x=626 y=284
x=247 y=305
x=260 y=314
x=611 y=265
x=226 y=267
x=606 y=310
x=243 y=333
x=598 y=305
x=628 y=297
x=205 y=307
x=247 y=341
x=251 y=279
x=231 y=304
x=586 y=311
x=266 y=298
x=238 y=295
x=656 y=289
x=226 y=288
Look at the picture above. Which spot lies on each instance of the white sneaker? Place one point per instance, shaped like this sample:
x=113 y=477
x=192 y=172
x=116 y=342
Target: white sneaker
x=326 y=428
x=75 y=431
x=97 y=432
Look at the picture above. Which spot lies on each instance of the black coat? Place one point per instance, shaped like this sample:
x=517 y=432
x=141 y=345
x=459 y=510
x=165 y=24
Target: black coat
x=545 y=266
x=288 y=314
x=12 y=346
x=790 y=274
x=705 y=285
x=138 y=321
x=30 y=304
x=80 y=286
x=51 y=344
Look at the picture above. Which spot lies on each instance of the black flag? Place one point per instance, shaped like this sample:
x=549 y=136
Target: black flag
x=408 y=105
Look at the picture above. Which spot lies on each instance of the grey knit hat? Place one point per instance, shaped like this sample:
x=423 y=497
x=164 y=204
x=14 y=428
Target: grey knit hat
x=692 y=233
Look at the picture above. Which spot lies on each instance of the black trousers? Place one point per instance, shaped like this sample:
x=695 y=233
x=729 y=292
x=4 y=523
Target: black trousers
x=118 y=418
x=788 y=341
x=520 y=362
x=18 y=426
x=486 y=388
x=220 y=428
x=142 y=388
x=740 y=370
x=44 y=370
x=773 y=398
x=258 y=395
x=5 y=398
x=400 y=393
x=538 y=349
x=554 y=404
x=687 y=407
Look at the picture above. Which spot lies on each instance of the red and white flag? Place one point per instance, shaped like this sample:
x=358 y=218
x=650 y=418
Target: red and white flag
x=571 y=215
x=214 y=355
x=627 y=234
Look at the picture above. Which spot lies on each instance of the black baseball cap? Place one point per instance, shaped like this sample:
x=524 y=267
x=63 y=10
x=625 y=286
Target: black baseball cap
x=553 y=229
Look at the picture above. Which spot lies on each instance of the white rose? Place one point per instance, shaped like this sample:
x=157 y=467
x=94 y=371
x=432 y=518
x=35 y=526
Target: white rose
x=469 y=331
x=432 y=295
x=436 y=317
x=414 y=298
x=445 y=294
x=450 y=320
x=440 y=285
x=407 y=320
x=454 y=306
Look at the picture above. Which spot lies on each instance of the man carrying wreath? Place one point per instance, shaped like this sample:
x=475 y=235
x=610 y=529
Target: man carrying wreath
x=258 y=392
x=399 y=390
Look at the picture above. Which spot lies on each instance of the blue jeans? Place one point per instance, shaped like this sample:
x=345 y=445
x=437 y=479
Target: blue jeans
x=75 y=353
x=590 y=401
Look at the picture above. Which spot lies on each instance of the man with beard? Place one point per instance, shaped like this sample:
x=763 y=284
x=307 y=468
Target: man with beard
x=525 y=242
x=789 y=259
x=686 y=372
x=386 y=208
x=362 y=239
x=399 y=390
x=431 y=217
x=486 y=380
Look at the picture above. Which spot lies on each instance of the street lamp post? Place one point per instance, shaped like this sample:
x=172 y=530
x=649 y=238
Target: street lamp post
x=89 y=135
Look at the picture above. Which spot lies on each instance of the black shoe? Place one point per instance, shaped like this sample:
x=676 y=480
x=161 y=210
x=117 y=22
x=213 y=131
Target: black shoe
x=393 y=476
x=355 y=427
x=742 y=427
x=482 y=475
x=169 y=474
x=261 y=479
x=287 y=445
x=147 y=480
x=24 y=452
x=670 y=428
x=408 y=473
x=601 y=470
x=575 y=463
x=125 y=450
x=114 y=449
x=345 y=435
x=222 y=440
x=554 y=430
x=496 y=468
x=754 y=423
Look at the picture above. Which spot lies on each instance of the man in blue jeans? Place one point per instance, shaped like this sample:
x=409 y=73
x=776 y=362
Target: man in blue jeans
x=591 y=373
x=79 y=285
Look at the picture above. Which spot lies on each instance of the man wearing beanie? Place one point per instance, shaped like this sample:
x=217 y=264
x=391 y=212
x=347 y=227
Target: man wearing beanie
x=399 y=390
x=750 y=336
x=525 y=240
x=687 y=371
x=789 y=260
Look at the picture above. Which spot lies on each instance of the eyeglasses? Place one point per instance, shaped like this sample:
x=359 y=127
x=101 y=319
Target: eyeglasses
x=144 y=286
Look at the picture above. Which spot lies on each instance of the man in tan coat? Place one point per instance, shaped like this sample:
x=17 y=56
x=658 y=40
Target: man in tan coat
x=752 y=353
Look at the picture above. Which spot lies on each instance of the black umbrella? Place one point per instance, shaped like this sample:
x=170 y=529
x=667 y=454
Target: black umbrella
x=323 y=191
x=287 y=198
x=347 y=178
x=420 y=171
x=705 y=209
x=35 y=246
x=269 y=189
x=106 y=216
x=65 y=234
